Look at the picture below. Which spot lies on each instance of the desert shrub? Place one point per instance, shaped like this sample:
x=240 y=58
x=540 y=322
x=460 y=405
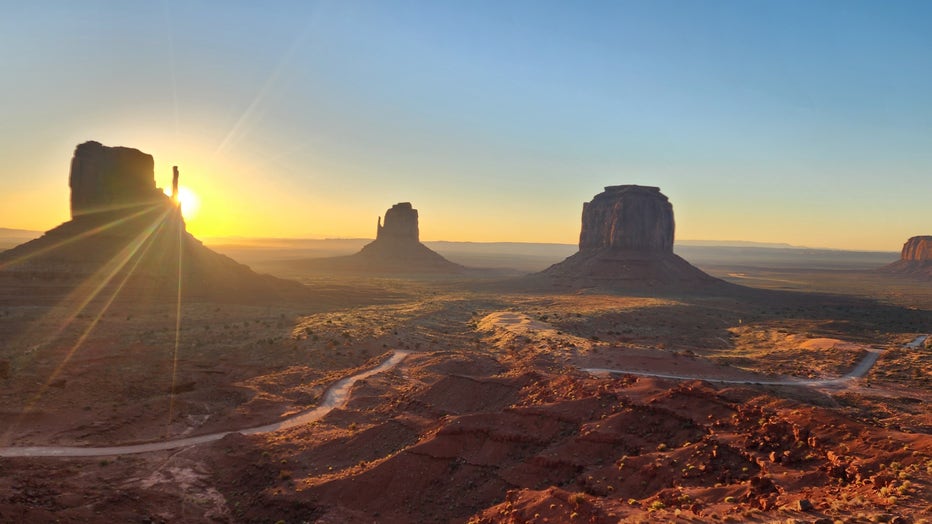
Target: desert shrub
x=577 y=498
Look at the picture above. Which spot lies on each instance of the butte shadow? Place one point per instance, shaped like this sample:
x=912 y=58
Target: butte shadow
x=127 y=236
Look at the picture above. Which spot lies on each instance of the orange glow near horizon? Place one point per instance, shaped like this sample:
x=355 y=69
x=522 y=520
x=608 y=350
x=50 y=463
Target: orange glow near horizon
x=189 y=201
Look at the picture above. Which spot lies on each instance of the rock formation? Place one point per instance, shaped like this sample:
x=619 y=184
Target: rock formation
x=915 y=259
x=108 y=178
x=400 y=224
x=396 y=250
x=126 y=234
x=628 y=217
x=917 y=249
x=626 y=242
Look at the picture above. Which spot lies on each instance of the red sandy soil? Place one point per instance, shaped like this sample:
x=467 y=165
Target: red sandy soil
x=489 y=421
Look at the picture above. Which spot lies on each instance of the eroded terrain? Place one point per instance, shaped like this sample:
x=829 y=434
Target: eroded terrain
x=489 y=419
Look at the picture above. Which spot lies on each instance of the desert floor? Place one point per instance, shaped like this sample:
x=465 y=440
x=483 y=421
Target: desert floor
x=489 y=418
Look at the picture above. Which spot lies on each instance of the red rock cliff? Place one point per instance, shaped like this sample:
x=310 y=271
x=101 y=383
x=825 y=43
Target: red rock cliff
x=917 y=248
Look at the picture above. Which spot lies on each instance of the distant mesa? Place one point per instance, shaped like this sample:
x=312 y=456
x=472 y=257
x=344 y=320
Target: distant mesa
x=915 y=259
x=397 y=249
x=125 y=233
x=626 y=243
x=400 y=224
x=632 y=218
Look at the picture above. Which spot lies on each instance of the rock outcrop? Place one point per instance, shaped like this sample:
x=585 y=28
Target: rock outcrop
x=915 y=259
x=917 y=249
x=628 y=217
x=626 y=243
x=111 y=178
x=127 y=236
x=397 y=249
x=400 y=224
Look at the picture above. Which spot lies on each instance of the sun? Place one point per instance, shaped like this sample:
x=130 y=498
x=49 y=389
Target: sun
x=188 y=200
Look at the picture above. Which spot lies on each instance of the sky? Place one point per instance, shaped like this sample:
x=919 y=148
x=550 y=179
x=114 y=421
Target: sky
x=802 y=122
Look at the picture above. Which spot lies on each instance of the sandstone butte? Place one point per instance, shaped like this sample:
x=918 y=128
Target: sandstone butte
x=626 y=242
x=915 y=259
x=124 y=228
x=397 y=249
x=918 y=249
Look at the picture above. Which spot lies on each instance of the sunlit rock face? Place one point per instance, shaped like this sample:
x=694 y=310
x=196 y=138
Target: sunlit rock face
x=628 y=217
x=915 y=259
x=400 y=224
x=110 y=179
x=917 y=248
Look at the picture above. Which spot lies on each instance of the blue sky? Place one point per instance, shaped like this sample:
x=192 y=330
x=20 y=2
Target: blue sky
x=800 y=122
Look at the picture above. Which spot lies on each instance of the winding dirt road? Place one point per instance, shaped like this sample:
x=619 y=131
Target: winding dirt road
x=524 y=325
x=858 y=371
x=335 y=397
x=338 y=395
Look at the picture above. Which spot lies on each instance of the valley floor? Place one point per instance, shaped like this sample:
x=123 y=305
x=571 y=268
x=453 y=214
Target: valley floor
x=490 y=417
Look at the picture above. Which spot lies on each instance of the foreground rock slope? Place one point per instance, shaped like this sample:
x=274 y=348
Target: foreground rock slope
x=127 y=234
x=626 y=242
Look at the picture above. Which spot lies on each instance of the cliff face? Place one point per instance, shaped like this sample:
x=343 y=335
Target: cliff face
x=917 y=248
x=395 y=250
x=111 y=178
x=626 y=242
x=401 y=223
x=915 y=259
x=628 y=217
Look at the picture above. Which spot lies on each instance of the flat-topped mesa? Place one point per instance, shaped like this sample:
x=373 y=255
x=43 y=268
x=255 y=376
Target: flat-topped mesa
x=626 y=243
x=628 y=217
x=111 y=178
x=917 y=248
x=400 y=224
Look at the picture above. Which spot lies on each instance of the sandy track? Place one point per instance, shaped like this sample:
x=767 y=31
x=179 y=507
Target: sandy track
x=858 y=371
x=335 y=397
x=522 y=324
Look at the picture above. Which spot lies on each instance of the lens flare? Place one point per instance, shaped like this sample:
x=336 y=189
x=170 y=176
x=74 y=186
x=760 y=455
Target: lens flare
x=189 y=201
